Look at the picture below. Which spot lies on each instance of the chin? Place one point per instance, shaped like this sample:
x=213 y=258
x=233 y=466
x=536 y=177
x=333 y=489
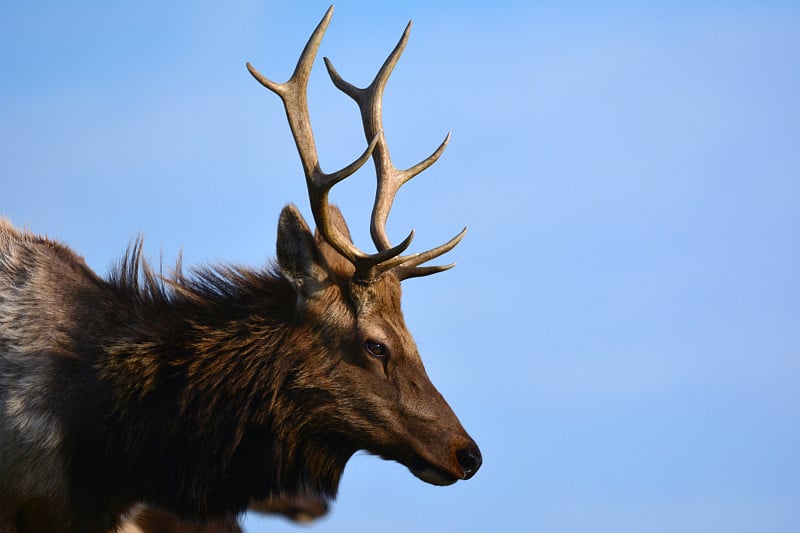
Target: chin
x=432 y=474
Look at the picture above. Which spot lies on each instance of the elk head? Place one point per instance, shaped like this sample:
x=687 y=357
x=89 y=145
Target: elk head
x=378 y=395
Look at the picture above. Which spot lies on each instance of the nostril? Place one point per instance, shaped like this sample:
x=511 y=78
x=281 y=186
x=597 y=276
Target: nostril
x=470 y=460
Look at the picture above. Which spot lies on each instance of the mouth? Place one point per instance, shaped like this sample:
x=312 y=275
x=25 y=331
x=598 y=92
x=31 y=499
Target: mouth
x=430 y=473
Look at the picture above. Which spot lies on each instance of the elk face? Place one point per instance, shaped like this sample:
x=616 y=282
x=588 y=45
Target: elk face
x=364 y=364
x=401 y=415
x=376 y=392
x=406 y=418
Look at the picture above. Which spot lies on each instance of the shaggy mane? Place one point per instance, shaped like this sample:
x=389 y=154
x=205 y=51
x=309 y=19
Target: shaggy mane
x=135 y=277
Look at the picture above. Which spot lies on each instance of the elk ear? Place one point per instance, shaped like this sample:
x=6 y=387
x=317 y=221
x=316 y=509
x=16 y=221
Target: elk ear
x=298 y=255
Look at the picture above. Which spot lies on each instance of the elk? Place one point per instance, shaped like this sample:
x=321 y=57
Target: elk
x=198 y=394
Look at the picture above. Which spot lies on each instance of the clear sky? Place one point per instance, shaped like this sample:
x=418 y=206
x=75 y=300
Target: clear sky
x=622 y=333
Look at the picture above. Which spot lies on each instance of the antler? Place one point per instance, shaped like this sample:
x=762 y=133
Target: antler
x=390 y=178
x=293 y=94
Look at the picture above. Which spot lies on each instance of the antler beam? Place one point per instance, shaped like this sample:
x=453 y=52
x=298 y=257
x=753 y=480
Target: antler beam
x=389 y=177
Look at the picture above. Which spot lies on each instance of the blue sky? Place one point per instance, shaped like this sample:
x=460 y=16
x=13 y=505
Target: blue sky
x=622 y=333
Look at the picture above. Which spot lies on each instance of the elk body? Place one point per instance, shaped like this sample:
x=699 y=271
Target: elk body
x=203 y=394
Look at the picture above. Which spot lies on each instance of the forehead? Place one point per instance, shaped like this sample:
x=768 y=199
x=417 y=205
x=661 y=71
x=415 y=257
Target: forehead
x=345 y=303
x=381 y=296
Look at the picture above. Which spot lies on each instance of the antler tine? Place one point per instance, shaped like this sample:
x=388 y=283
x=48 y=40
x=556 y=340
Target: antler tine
x=404 y=273
x=408 y=263
x=389 y=177
x=293 y=93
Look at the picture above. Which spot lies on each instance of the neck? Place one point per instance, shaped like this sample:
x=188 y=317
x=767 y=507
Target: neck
x=200 y=382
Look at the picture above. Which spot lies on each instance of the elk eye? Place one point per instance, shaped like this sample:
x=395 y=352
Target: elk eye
x=376 y=349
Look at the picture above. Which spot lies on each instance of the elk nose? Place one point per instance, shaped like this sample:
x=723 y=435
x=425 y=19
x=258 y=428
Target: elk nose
x=470 y=460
